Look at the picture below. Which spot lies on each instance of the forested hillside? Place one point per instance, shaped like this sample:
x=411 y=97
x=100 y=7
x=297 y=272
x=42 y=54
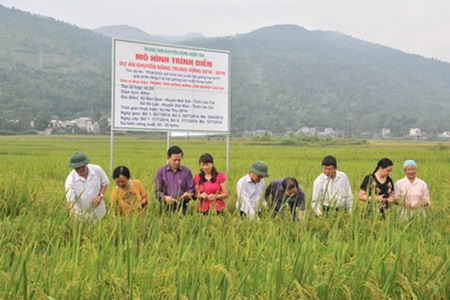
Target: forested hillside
x=283 y=77
x=287 y=76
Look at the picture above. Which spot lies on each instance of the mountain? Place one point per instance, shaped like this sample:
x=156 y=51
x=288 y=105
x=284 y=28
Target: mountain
x=282 y=77
x=286 y=76
x=186 y=37
x=48 y=67
x=133 y=33
x=45 y=43
x=129 y=33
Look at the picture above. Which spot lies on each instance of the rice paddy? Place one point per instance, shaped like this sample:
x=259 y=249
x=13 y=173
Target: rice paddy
x=45 y=253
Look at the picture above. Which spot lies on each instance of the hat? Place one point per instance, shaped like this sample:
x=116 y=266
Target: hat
x=409 y=162
x=259 y=168
x=78 y=160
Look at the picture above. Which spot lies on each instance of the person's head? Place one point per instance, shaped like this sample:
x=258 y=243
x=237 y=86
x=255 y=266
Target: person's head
x=206 y=162
x=174 y=156
x=121 y=175
x=384 y=167
x=290 y=186
x=257 y=171
x=410 y=168
x=79 y=162
x=329 y=166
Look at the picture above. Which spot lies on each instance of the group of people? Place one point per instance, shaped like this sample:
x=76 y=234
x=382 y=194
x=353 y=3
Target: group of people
x=175 y=187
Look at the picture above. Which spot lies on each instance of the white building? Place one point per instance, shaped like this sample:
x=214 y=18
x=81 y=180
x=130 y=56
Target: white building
x=328 y=132
x=261 y=132
x=385 y=133
x=86 y=124
x=444 y=135
x=308 y=131
x=415 y=132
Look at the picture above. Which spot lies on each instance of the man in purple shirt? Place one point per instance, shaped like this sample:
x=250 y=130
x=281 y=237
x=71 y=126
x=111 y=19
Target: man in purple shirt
x=174 y=184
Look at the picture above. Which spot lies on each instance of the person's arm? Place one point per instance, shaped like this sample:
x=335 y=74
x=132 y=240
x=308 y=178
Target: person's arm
x=104 y=182
x=241 y=193
x=114 y=200
x=71 y=195
x=400 y=195
x=190 y=191
x=300 y=205
x=315 y=200
x=101 y=194
x=364 y=188
x=144 y=195
x=426 y=196
x=363 y=195
x=160 y=187
x=197 y=188
x=392 y=199
x=223 y=193
x=349 y=195
x=268 y=192
x=199 y=195
x=263 y=187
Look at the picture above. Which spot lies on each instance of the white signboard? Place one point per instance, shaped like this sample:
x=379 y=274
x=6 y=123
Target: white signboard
x=168 y=88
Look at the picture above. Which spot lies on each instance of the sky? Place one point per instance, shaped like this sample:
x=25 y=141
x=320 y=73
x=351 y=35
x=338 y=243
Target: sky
x=413 y=26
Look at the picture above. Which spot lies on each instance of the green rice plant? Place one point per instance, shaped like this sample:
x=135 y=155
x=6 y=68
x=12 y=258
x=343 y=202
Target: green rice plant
x=46 y=253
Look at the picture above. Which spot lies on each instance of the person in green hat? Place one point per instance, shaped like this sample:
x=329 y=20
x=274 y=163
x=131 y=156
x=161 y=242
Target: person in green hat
x=250 y=190
x=85 y=187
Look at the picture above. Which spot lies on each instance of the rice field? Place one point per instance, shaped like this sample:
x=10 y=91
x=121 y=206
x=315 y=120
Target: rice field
x=46 y=254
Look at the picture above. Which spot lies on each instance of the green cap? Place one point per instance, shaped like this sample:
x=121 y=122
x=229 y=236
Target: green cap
x=259 y=168
x=78 y=159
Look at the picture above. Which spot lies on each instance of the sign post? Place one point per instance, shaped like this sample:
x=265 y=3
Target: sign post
x=168 y=88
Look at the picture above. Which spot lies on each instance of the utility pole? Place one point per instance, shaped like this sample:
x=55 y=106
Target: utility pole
x=350 y=120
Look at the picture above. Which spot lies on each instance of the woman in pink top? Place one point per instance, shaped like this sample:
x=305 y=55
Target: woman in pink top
x=411 y=191
x=210 y=186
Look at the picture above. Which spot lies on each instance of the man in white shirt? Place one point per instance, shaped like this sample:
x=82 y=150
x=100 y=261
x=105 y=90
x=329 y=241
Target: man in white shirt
x=85 y=187
x=331 y=189
x=250 y=190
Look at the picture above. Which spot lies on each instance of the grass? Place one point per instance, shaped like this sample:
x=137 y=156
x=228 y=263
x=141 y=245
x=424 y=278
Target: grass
x=47 y=254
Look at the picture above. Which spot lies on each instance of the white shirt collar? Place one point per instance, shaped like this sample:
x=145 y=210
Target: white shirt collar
x=338 y=176
x=91 y=174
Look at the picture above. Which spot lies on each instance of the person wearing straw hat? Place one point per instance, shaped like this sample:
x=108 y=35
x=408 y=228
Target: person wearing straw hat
x=411 y=191
x=250 y=190
x=85 y=187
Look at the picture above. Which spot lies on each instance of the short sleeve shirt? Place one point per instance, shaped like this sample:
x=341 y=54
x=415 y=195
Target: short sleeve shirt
x=385 y=188
x=211 y=188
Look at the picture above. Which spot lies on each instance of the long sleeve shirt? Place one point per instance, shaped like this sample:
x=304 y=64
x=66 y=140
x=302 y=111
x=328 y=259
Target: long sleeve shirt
x=249 y=195
x=279 y=198
x=415 y=193
x=175 y=184
x=332 y=192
